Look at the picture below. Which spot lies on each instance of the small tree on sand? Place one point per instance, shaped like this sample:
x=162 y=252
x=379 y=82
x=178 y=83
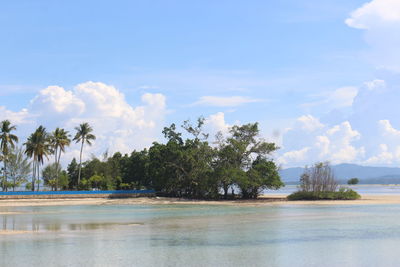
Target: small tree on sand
x=318 y=178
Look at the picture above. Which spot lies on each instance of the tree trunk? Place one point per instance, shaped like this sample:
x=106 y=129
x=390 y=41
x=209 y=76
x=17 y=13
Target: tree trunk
x=14 y=182
x=56 y=162
x=226 y=188
x=80 y=165
x=33 y=175
x=38 y=176
x=5 y=174
x=58 y=166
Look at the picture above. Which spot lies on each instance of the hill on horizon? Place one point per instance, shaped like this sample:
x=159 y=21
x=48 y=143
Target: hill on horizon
x=345 y=171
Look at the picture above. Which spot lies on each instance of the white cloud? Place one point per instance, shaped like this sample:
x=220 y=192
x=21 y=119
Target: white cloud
x=375 y=84
x=118 y=125
x=216 y=123
x=338 y=98
x=380 y=20
x=294 y=156
x=309 y=123
x=368 y=134
x=388 y=129
x=230 y=101
x=384 y=157
x=343 y=97
x=22 y=116
x=374 y=13
x=322 y=143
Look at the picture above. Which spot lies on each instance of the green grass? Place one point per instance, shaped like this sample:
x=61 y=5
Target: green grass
x=342 y=194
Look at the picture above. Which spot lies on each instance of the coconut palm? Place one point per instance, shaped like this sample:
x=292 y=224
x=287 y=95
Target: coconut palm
x=83 y=135
x=37 y=147
x=59 y=139
x=7 y=141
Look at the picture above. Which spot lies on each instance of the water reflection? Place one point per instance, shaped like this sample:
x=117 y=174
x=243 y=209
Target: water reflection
x=201 y=236
x=34 y=222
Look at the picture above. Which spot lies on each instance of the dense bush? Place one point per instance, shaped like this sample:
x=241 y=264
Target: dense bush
x=353 y=181
x=319 y=183
x=342 y=194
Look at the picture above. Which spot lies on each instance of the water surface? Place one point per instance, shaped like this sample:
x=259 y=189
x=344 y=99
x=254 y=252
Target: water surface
x=201 y=235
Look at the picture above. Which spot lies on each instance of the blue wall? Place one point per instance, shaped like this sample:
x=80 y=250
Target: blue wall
x=30 y=193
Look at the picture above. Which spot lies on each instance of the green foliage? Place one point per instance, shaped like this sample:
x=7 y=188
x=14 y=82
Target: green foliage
x=342 y=194
x=262 y=175
x=186 y=165
x=353 y=181
x=319 y=183
x=19 y=167
x=72 y=171
x=50 y=174
x=63 y=181
x=38 y=147
x=7 y=142
x=84 y=136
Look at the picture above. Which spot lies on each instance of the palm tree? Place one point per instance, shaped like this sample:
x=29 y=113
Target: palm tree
x=83 y=135
x=37 y=147
x=59 y=139
x=7 y=140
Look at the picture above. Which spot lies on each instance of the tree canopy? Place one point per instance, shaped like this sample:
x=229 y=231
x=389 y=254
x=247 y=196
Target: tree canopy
x=185 y=165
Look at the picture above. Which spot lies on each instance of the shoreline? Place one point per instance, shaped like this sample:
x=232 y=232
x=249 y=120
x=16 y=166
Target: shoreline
x=267 y=200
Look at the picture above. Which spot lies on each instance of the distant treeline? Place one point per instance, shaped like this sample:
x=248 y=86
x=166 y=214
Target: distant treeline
x=181 y=167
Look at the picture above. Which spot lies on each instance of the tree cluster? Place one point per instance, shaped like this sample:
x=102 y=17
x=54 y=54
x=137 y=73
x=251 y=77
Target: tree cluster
x=38 y=147
x=186 y=165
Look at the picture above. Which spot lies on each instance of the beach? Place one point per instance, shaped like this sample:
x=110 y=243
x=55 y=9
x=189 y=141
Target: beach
x=263 y=200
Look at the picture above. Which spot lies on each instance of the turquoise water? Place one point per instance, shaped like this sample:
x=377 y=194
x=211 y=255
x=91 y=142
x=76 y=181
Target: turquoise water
x=201 y=235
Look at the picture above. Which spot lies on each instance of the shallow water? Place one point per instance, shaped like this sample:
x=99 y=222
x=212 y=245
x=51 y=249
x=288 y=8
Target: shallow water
x=193 y=235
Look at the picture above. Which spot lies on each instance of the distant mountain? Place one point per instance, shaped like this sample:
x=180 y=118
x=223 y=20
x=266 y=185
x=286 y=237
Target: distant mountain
x=343 y=172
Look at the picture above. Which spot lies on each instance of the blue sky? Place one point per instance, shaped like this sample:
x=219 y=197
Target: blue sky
x=276 y=62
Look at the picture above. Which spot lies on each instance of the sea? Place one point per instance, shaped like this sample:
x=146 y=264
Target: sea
x=203 y=235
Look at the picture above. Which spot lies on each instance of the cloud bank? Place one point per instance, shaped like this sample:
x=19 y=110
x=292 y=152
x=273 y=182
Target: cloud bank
x=118 y=125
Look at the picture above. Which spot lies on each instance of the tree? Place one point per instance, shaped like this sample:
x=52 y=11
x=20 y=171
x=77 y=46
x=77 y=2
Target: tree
x=224 y=165
x=7 y=141
x=246 y=158
x=83 y=135
x=318 y=178
x=353 y=181
x=72 y=171
x=19 y=167
x=59 y=139
x=134 y=169
x=50 y=174
x=262 y=175
x=37 y=147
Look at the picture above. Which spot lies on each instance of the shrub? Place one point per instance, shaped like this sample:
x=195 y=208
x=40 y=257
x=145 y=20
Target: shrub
x=342 y=194
x=353 y=181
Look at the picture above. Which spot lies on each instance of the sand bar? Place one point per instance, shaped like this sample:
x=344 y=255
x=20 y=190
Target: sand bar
x=266 y=200
x=13 y=232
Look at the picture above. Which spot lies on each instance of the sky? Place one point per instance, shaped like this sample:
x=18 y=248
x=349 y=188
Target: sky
x=322 y=78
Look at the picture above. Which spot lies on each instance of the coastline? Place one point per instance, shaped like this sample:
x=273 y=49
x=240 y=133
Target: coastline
x=266 y=200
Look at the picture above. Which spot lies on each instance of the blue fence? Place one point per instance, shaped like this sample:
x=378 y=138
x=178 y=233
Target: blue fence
x=110 y=192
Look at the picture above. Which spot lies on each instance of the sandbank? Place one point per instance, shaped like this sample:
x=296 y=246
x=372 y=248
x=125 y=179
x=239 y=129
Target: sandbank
x=13 y=232
x=264 y=200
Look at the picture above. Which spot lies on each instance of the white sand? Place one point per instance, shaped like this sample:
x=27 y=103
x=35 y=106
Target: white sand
x=267 y=200
x=13 y=232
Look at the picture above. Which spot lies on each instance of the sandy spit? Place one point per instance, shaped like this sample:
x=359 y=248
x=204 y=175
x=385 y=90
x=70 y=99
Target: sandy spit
x=13 y=232
x=266 y=200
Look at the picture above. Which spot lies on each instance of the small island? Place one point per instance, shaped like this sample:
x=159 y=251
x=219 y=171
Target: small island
x=319 y=183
